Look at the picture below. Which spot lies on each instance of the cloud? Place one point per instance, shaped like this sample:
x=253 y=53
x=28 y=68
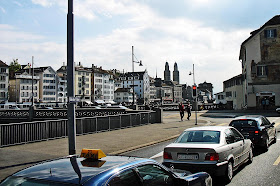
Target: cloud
x=156 y=39
x=2 y=10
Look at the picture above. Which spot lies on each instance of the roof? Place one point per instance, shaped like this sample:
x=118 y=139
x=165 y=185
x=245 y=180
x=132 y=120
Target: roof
x=214 y=128
x=273 y=21
x=2 y=64
x=253 y=117
x=75 y=170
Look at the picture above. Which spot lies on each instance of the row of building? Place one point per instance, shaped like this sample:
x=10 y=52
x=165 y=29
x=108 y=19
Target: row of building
x=258 y=85
x=92 y=85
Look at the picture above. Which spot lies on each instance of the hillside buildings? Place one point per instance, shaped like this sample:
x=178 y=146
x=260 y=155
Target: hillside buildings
x=4 y=81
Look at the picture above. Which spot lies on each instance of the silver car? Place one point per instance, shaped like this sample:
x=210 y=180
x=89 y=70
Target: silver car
x=218 y=150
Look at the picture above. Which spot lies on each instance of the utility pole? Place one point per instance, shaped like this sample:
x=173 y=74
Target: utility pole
x=70 y=80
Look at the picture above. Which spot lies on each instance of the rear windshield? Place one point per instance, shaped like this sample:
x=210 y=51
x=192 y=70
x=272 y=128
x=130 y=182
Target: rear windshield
x=200 y=136
x=243 y=123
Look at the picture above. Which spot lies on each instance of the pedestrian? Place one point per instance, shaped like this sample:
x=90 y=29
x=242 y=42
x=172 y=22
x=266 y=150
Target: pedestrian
x=267 y=103
x=181 y=110
x=189 y=108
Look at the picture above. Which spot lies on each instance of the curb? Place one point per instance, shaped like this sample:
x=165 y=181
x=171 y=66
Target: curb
x=119 y=152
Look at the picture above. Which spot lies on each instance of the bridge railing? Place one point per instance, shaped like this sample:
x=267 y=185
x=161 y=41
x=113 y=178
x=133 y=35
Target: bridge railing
x=26 y=132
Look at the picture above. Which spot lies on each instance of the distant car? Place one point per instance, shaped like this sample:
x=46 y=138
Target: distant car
x=218 y=150
x=278 y=110
x=14 y=108
x=102 y=170
x=256 y=128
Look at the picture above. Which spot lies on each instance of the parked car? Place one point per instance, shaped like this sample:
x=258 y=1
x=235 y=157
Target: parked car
x=94 y=168
x=278 y=110
x=256 y=128
x=218 y=150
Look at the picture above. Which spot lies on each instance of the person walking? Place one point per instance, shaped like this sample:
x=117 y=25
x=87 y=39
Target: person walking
x=181 y=110
x=189 y=108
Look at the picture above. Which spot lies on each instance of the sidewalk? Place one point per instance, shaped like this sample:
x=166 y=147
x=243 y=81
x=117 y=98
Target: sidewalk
x=18 y=157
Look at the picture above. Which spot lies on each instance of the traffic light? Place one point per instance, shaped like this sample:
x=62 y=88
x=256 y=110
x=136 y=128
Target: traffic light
x=194 y=91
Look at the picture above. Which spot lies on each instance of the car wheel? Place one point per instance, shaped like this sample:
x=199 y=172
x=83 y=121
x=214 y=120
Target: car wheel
x=229 y=172
x=250 y=156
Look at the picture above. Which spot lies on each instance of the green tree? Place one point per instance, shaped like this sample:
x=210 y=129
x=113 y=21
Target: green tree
x=14 y=65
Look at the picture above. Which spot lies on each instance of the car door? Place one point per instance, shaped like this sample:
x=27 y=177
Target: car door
x=235 y=146
x=268 y=127
x=271 y=129
x=244 y=147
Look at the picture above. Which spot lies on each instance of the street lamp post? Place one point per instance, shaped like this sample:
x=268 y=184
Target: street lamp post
x=140 y=64
x=195 y=98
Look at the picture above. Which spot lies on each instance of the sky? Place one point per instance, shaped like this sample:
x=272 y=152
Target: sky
x=203 y=33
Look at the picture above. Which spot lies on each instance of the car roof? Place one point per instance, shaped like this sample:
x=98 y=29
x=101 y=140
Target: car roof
x=213 y=128
x=252 y=117
x=64 y=170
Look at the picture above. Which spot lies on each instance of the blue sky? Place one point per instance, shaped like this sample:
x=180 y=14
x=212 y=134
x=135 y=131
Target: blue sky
x=207 y=33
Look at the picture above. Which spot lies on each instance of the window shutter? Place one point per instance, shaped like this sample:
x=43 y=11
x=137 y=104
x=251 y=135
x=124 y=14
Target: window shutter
x=266 y=70
x=275 y=32
x=265 y=33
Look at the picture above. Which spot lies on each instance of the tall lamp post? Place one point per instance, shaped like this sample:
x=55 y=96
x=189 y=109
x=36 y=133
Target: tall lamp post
x=195 y=97
x=140 y=64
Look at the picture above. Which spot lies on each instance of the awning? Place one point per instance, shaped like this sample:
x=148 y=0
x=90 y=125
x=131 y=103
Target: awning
x=89 y=102
x=100 y=101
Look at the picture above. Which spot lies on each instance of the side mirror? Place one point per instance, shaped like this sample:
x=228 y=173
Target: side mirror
x=273 y=123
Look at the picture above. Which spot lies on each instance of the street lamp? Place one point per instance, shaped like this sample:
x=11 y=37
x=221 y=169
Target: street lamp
x=195 y=97
x=140 y=64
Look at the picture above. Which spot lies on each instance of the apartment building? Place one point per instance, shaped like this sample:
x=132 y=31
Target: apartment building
x=260 y=58
x=141 y=83
x=233 y=91
x=124 y=95
x=4 y=81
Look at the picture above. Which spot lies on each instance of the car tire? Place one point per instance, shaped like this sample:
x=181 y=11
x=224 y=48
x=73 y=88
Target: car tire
x=229 y=172
x=250 y=156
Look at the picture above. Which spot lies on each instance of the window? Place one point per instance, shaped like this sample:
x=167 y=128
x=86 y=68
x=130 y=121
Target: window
x=155 y=175
x=271 y=33
x=262 y=71
x=125 y=178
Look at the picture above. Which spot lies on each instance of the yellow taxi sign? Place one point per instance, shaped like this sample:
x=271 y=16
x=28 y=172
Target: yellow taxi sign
x=92 y=153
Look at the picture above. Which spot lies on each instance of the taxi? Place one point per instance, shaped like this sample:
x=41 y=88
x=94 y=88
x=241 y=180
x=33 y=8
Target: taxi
x=93 y=167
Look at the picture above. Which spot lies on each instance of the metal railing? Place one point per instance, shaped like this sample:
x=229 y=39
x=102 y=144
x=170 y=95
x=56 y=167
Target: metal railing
x=26 y=132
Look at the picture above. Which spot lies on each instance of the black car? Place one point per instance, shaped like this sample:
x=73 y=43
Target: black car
x=257 y=128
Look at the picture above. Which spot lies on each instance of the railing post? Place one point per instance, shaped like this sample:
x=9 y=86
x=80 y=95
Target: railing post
x=109 y=118
x=1 y=136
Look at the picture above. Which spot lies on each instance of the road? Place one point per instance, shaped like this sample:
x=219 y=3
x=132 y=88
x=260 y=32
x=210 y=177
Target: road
x=264 y=170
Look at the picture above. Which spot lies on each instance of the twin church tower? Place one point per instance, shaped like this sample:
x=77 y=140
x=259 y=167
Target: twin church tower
x=175 y=73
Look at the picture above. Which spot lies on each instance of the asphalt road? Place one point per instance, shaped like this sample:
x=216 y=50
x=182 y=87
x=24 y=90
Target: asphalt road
x=264 y=170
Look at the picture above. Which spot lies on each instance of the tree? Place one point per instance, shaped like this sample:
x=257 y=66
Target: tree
x=14 y=65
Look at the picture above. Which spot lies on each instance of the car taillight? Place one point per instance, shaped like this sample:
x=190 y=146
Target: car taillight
x=167 y=155
x=256 y=132
x=212 y=157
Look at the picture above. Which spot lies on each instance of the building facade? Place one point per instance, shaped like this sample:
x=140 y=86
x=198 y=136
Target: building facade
x=4 y=82
x=260 y=59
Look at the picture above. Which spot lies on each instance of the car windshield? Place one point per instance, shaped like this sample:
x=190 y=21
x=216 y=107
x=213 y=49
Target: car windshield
x=200 y=136
x=243 y=123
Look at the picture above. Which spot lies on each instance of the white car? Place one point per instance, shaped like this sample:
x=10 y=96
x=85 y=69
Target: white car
x=218 y=150
x=278 y=110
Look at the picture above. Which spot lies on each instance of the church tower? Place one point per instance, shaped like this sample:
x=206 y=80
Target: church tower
x=166 y=72
x=176 y=73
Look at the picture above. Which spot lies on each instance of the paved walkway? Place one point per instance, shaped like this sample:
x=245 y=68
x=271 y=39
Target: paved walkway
x=17 y=157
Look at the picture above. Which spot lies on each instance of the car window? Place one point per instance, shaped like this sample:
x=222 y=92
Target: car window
x=155 y=175
x=243 y=123
x=237 y=135
x=200 y=136
x=125 y=178
x=265 y=121
x=229 y=136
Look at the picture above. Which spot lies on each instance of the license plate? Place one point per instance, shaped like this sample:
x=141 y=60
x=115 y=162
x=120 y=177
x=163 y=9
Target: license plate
x=187 y=156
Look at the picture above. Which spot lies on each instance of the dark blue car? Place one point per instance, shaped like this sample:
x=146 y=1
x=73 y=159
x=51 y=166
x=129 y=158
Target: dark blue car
x=102 y=170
